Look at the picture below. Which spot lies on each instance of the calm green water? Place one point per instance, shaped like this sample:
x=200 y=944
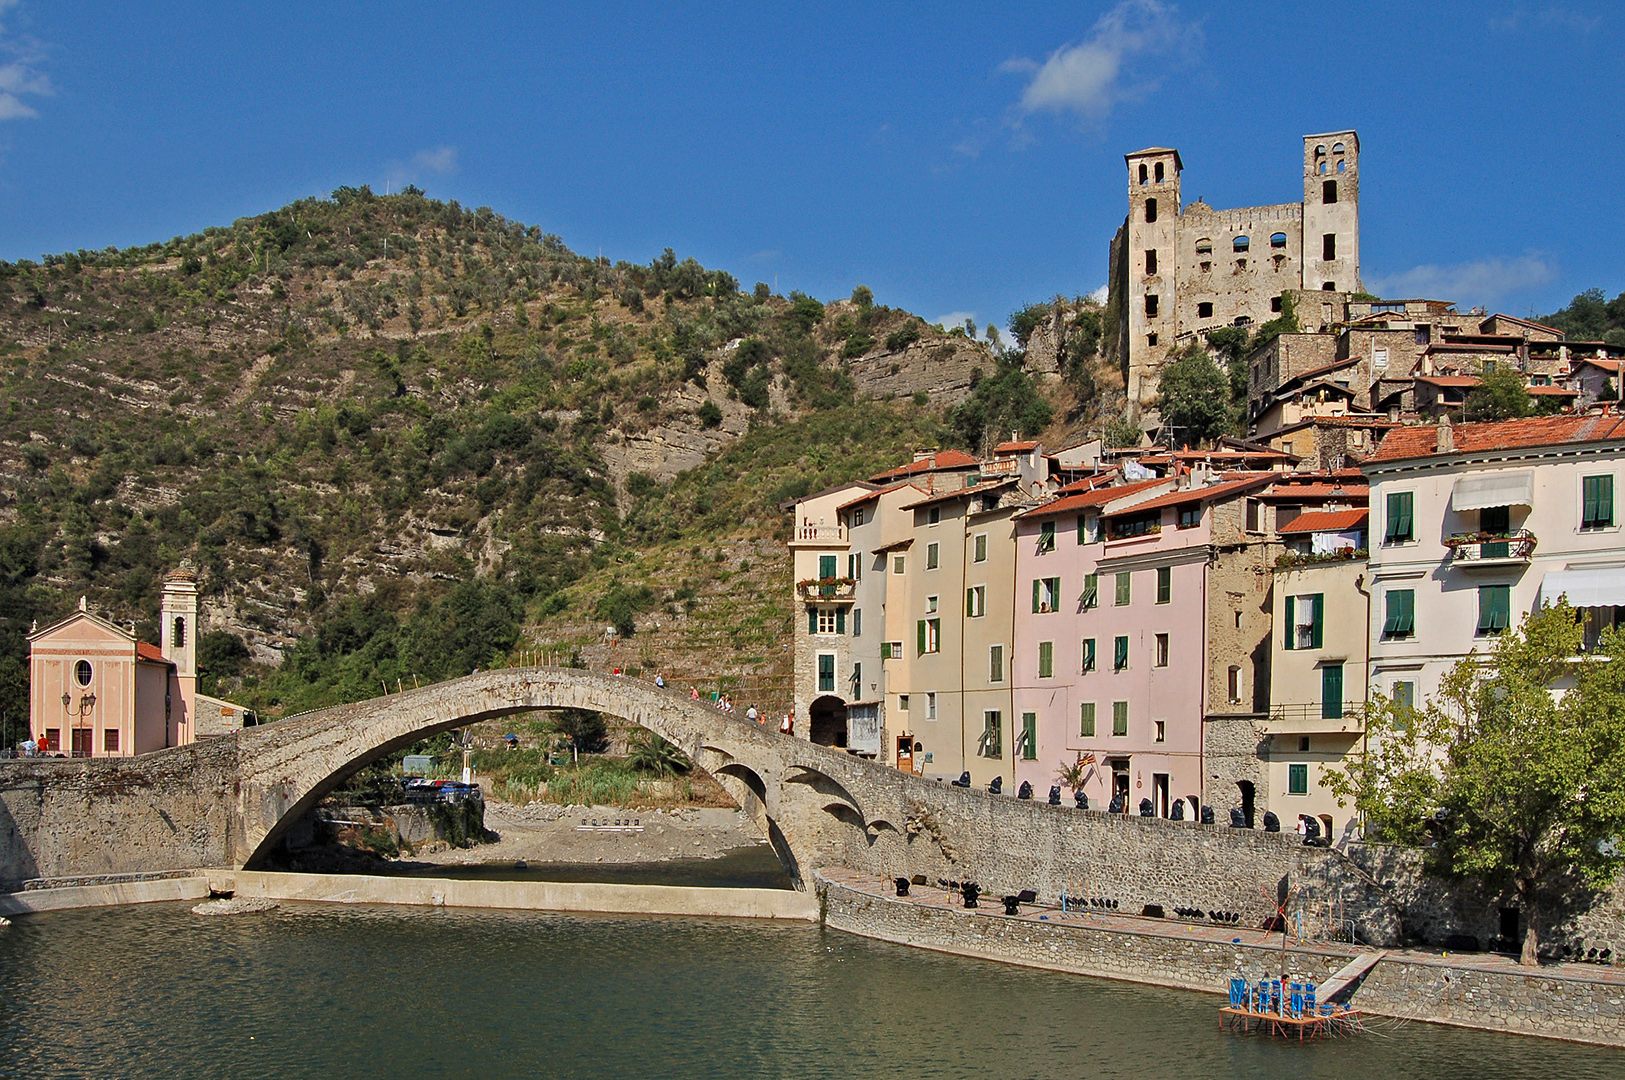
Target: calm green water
x=313 y=991
x=754 y=867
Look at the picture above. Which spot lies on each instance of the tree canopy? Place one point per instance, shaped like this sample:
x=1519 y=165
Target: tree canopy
x=1514 y=772
x=1007 y=401
x=1500 y=395
x=1194 y=397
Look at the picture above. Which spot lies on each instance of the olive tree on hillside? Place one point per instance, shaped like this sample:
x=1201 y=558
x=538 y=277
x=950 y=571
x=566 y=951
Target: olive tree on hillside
x=1514 y=772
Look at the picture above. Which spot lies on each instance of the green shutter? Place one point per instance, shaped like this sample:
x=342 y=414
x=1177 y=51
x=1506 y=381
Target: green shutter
x=840 y=620
x=919 y=633
x=1088 y=654
x=1091 y=590
x=1297 y=779
x=1494 y=608
x=1290 y=633
x=1399 y=517
x=1599 y=502
x=812 y=620
x=1029 y=736
x=1086 y=719
x=826 y=566
x=1082 y=533
x=1331 y=692
x=1036 y=584
x=1316 y=632
x=1046 y=659
x=1120 y=653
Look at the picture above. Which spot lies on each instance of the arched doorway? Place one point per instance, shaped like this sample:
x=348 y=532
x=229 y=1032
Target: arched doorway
x=1247 y=801
x=827 y=721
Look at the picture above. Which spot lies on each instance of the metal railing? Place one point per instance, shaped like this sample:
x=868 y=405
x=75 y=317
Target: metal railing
x=1519 y=545
x=1309 y=712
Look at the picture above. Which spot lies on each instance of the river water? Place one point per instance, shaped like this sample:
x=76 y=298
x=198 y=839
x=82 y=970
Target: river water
x=319 y=991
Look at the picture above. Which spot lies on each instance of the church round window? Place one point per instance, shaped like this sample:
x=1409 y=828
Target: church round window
x=81 y=672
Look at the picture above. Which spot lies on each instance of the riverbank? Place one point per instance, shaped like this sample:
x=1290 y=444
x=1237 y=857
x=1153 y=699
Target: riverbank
x=1579 y=1002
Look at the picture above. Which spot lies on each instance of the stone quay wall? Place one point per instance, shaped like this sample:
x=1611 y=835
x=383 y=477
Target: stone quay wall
x=1570 y=1004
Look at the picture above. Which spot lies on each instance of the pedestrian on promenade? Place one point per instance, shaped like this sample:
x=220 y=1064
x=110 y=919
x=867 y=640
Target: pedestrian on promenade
x=693 y=693
x=750 y=714
x=660 y=680
x=788 y=725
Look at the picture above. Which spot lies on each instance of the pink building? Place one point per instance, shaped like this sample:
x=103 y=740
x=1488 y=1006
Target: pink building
x=95 y=691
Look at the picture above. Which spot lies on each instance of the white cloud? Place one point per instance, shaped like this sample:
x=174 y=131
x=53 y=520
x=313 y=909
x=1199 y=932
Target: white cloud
x=1100 y=294
x=1089 y=77
x=953 y=319
x=436 y=161
x=19 y=77
x=1483 y=281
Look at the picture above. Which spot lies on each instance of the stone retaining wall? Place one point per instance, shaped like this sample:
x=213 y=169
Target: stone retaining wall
x=1568 y=1003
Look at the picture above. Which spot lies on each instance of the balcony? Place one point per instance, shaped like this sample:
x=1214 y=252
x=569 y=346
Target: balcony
x=826 y=590
x=1306 y=719
x=810 y=535
x=1472 y=551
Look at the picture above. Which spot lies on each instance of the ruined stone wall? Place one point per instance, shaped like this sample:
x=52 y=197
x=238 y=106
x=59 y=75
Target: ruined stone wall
x=941 y=370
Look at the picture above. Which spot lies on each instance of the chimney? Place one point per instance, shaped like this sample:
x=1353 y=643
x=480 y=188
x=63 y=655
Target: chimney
x=1446 y=442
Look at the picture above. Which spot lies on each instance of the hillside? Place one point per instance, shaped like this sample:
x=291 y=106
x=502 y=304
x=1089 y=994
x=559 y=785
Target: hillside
x=398 y=437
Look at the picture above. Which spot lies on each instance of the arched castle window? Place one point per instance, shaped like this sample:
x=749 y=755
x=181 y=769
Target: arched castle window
x=1159 y=172
x=1322 y=168
x=1320 y=151
x=1278 y=240
x=1204 y=246
x=1244 y=320
x=180 y=632
x=1142 y=172
x=1337 y=148
x=1150 y=211
x=1241 y=243
x=1341 y=165
x=1330 y=286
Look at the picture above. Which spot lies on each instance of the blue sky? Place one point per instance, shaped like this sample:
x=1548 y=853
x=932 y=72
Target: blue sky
x=957 y=158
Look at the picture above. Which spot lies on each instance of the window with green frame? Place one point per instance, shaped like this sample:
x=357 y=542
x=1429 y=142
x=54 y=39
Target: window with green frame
x=1305 y=621
x=1120 y=652
x=992 y=742
x=1399 y=528
x=1046 y=659
x=1119 y=718
x=1091 y=591
x=1088 y=654
x=826 y=673
x=1297 y=779
x=1165 y=584
x=1331 y=691
x=1399 y=619
x=1046 y=536
x=826 y=566
x=1597 y=502
x=1086 y=719
x=1494 y=609
x=1029 y=736
x=1123 y=585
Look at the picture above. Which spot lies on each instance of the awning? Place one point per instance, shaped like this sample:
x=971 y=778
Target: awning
x=1585 y=588
x=1496 y=489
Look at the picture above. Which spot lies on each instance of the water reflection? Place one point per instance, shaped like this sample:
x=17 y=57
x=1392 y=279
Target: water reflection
x=318 y=991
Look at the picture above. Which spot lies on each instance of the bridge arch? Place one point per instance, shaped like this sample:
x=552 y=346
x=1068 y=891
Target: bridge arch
x=287 y=767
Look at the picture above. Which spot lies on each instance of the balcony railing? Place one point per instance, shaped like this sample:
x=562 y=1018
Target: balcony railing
x=1491 y=548
x=1307 y=715
x=827 y=590
x=833 y=534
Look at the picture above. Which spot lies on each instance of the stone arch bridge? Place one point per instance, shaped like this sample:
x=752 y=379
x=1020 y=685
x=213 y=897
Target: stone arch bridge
x=228 y=802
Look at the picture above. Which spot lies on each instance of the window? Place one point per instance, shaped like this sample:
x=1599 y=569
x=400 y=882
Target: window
x=1232 y=685
x=180 y=632
x=1160 y=729
x=1204 y=309
x=898 y=564
x=1275 y=303
x=1494 y=609
x=1424 y=334
x=857 y=517
x=1597 y=502
x=1151 y=305
x=1029 y=736
x=1046 y=537
x=1328 y=247
x=933 y=555
x=827 y=621
x=1297 y=779
x=1150 y=211
x=1278 y=240
x=1403 y=694
x=826 y=673
x=1120 y=652
x=854 y=565
x=1328 y=286
x=1119 y=718
x=1240 y=243
x=1252 y=515
x=1151 y=339
x=1189 y=516
x=991 y=744
x=1303 y=744
x=902 y=703
x=1046 y=594
x=1144 y=174
x=1162 y=650
x=1399 y=616
x=1158 y=172
x=1088 y=654
x=857 y=679
x=1379 y=359
x=931 y=605
x=1399 y=530
x=979 y=548
x=1091 y=591
x=1165 y=584
x=1331 y=692
x=82 y=673
x=110 y=741
x=995 y=663
x=1086 y=719
x=928 y=635
x=1305 y=621
x=933 y=516
x=1124 y=595
x=976 y=601
x=1151 y=260
x=1328 y=191
x=1204 y=246
x=931 y=706
x=891 y=650
x=857 y=622
x=1046 y=659
x=826 y=566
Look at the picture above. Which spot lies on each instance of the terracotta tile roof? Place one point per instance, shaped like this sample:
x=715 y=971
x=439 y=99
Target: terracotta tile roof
x=1449 y=380
x=1353 y=492
x=1324 y=369
x=870 y=496
x=1552 y=391
x=143 y=651
x=1520 y=322
x=942 y=459
x=1088 y=483
x=1606 y=365
x=1014 y=447
x=1211 y=491
x=1326 y=521
x=1422 y=441
x=960 y=493
x=1097 y=497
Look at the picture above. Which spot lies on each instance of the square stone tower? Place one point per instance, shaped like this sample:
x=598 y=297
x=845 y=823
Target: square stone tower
x=1331 y=211
x=178 y=641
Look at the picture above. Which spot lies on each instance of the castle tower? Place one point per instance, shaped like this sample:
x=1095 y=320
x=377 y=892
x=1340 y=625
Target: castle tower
x=1151 y=256
x=1331 y=211
x=179 y=644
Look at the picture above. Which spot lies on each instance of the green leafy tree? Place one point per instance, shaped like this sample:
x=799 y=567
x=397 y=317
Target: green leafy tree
x=1007 y=401
x=863 y=296
x=1232 y=344
x=1193 y=397
x=1514 y=780
x=1500 y=395
x=1121 y=431
x=583 y=731
x=650 y=753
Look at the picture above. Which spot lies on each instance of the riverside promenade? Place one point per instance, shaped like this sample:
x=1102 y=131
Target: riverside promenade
x=1580 y=1002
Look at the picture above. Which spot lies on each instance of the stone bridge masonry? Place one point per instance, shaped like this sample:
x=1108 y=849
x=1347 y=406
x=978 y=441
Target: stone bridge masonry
x=227 y=802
